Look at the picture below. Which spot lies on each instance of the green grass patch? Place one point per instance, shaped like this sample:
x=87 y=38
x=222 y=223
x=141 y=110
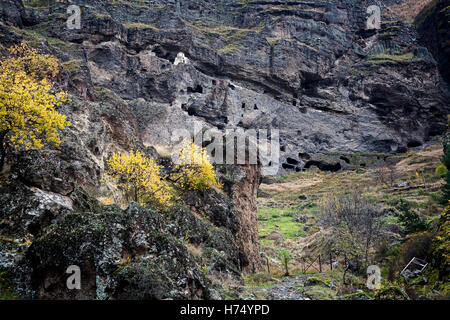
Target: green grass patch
x=277 y=219
x=259 y=280
x=36 y=3
x=73 y=65
x=318 y=293
x=140 y=26
x=384 y=58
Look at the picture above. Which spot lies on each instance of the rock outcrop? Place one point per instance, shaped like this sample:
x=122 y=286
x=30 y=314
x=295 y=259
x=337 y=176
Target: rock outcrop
x=122 y=255
x=135 y=253
x=139 y=70
x=434 y=28
x=309 y=69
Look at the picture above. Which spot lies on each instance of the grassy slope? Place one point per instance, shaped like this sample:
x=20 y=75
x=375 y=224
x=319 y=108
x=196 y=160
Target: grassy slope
x=298 y=195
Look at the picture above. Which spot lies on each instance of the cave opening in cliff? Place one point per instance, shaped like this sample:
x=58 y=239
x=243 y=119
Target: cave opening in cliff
x=323 y=166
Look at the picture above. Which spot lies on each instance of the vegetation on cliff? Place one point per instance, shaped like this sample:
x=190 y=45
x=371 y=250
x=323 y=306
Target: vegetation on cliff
x=28 y=117
x=90 y=181
x=407 y=222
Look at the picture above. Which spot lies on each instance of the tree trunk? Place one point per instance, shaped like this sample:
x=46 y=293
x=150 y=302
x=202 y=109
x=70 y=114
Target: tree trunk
x=2 y=150
x=368 y=241
x=135 y=192
x=345 y=273
x=366 y=258
x=2 y=160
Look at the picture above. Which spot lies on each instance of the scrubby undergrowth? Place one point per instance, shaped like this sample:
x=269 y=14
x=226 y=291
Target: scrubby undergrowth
x=289 y=219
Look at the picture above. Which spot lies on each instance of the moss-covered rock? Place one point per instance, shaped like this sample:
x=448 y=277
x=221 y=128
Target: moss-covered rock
x=122 y=254
x=221 y=250
x=391 y=293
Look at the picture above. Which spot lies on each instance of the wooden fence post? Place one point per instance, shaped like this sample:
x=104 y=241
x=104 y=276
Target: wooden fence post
x=331 y=261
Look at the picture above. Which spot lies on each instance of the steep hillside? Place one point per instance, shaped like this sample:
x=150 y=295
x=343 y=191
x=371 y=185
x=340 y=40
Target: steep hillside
x=309 y=69
x=290 y=218
x=343 y=98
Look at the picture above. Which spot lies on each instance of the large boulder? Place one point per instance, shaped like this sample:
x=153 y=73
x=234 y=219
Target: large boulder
x=122 y=255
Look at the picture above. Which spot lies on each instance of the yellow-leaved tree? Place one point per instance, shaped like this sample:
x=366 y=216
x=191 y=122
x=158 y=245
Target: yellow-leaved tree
x=28 y=118
x=194 y=170
x=139 y=177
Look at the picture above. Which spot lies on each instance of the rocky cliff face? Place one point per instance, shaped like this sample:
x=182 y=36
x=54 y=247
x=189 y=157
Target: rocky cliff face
x=309 y=69
x=434 y=28
x=137 y=253
x=139 y=70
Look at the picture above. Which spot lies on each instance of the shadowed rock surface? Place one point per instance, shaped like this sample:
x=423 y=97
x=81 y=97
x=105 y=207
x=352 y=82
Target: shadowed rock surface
x=308 y=68
x=138 y=70
x=434 y=28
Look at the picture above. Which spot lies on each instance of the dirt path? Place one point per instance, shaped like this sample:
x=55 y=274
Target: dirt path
x=287 y=289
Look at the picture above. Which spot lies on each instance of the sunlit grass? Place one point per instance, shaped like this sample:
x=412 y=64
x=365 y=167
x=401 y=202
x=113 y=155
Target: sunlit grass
x=281 y=220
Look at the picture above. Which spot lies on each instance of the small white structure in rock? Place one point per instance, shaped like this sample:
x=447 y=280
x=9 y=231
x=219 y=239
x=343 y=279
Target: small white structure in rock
x=374 y=21
x=181 y=59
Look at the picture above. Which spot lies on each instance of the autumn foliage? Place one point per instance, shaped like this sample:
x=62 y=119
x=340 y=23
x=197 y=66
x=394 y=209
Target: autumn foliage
x=28 y=118
x=139 y=177
x=194 y=170
x=142 y=179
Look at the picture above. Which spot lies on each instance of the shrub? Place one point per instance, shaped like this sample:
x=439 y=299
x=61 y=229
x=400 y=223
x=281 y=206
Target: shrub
x=417 y=245
x=285 y=259
x=409 y=218
x=194 y=171
x=139 y=177
x=356 y=225
x=28 y=118
x=441 y=245
x=441 y=170
x=387 y=175
x=446 y=186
